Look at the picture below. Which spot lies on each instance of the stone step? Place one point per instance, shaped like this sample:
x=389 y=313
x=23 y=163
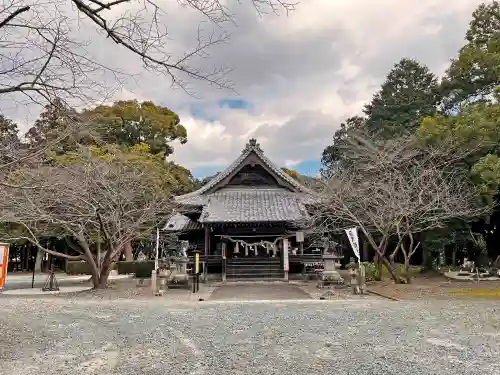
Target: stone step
x=254 y=266
x=253 y=260
x=276 y=276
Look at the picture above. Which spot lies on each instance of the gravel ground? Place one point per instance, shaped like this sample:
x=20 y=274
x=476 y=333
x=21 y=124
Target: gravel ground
x=88 y=336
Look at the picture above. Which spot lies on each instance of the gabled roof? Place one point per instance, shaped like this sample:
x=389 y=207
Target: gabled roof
x=252 y=147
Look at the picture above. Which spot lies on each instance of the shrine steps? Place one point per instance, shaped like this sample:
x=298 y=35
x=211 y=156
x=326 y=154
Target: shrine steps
x=254 y=268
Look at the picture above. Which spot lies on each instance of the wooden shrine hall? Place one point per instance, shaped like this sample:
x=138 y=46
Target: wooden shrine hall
x=249 y=221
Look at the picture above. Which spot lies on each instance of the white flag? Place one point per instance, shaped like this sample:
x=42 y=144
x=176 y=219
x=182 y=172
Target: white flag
x=352 y=234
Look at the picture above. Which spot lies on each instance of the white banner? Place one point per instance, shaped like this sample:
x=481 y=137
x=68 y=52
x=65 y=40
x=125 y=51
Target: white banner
x=352 y=234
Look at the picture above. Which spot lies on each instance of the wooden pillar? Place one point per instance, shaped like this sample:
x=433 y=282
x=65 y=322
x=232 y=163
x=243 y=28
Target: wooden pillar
x=301 y=248
x=285 y=257
x=207 y=240
x=364 y=256
x=223 y=253
x=454 y=256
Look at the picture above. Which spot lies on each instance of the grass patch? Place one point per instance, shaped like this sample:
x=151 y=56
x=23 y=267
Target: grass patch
x=475 y=292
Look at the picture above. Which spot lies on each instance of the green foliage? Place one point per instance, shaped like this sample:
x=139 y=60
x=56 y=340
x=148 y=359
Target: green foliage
x=131 y=123
x=487 y=173
x=372 y=273
x=475 y=74
x=78 y=268
x=165 y=175
x=8 y=128
x=476 y=132
x=334 y=153
x=292 y=173
x=143 y=269
x=468 y=122
x=475 y=128
x=135 y=267
x=409 y=93
x=56 y=119
x=10 y=144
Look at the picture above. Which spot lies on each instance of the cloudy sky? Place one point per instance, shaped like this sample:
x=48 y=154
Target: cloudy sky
x=297 y=76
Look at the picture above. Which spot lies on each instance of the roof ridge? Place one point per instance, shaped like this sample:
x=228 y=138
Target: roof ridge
x=251 y=146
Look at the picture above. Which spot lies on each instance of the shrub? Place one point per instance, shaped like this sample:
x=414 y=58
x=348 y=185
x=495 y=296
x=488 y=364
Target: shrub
x=143 y=269
x=78 y=268
x=371 y=270
x=139 y=269
x=126 y=267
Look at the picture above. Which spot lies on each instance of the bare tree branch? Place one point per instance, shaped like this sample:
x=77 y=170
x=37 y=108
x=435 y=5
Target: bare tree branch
x=13 y=15
x=89 y=200
x=45 y=48
x=398 y=188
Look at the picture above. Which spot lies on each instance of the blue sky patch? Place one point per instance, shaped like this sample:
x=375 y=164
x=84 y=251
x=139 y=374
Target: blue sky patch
x=307 y=167
x=201 y=114
x=233 y=103
x=206 y=171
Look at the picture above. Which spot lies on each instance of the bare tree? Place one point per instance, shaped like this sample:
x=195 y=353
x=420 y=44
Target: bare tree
x=100 y=204
x=45 y=52
x=45 y=55
x=397 y=188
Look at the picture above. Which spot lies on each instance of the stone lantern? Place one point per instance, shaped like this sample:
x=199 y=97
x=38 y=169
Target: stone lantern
x=330 y=274
x=163 y=273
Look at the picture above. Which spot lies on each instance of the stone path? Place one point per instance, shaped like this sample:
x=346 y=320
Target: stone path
x=252 y=292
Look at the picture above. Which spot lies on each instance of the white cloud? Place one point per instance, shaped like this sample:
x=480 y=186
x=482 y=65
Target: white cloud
x=301 y=74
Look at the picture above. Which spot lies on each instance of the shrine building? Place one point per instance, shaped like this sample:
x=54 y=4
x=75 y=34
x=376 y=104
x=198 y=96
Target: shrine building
x=249 y=221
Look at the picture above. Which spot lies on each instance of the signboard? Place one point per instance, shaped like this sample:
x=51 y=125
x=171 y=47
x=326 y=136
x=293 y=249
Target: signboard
x=197 y=263
x=352 y=234
x=285 y=255
x=4 y=259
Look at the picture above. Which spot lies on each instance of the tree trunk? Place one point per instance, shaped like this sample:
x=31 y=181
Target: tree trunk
x=392 y=263
x=407 y=269
x=38 y=260
x=128 y=251
x=94 y=274
x=104 y=275
x=378 y=265
x=393 y=274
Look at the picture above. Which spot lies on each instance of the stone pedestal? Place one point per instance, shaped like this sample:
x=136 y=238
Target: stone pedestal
x=153 y=281
x=179 y=273
x=330 y=275
x=358 y=279
x=163 y=275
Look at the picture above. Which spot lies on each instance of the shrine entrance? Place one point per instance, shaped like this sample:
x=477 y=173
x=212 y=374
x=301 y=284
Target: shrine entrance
x=244 y=248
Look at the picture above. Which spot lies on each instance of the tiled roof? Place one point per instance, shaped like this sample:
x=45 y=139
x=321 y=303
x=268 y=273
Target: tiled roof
x=180 y=223
x=202 y=200
x=253 y=205
x=252 y=146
